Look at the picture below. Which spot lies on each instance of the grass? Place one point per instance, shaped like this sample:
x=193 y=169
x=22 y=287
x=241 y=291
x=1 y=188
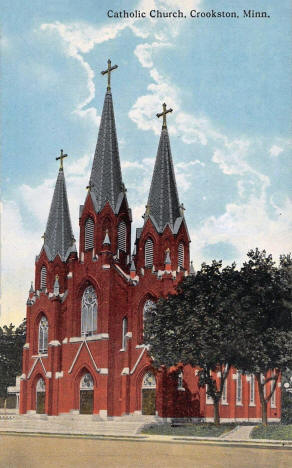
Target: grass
x=273 y=431
x=196 y=430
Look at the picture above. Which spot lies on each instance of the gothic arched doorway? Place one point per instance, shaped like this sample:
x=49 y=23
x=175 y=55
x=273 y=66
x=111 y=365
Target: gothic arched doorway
x=40 y=396
x=149 y=394
x=86 y=394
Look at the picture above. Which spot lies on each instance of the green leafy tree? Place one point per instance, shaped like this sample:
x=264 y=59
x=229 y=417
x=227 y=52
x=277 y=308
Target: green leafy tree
x=198 y=326
x=12 y=340
x=264 y=295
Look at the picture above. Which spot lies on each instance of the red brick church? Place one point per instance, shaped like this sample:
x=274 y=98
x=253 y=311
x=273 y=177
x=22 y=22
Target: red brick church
x=84 y=350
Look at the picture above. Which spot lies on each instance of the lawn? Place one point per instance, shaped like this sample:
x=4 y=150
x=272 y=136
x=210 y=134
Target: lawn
x=196 y=430
x=273 y=431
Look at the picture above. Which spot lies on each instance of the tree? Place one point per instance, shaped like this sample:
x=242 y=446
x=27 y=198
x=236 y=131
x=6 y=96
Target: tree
x=198 y=326
x=12 y=340
x=264 y=295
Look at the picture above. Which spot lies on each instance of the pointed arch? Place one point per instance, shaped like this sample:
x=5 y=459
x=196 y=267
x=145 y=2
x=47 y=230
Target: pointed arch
x=122 y=236
x=89 y=309
x=43 y=335
x=89 y=234
x=43 y=279
x=148 y=251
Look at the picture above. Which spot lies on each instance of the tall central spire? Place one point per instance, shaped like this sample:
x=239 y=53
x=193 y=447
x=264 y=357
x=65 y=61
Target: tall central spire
x=163 y=202
x=106 y=177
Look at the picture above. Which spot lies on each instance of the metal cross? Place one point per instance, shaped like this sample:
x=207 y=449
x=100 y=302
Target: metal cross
x=163 y=113
x=61 y=157
x=89 y=186
x=108 y=71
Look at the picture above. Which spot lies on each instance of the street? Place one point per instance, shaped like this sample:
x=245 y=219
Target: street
x=59 y=452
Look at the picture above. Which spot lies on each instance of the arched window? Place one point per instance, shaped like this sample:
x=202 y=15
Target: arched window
x=122 y=236
x=124 y=332
x=180 y=383
x=89 y=312
x=181 y=255
x=43 y=335
x=41 y=387
x=149 y=380
x=89 y=234
x=43 y=277
x=147 y=308
x=148 y=253
x=86 y=383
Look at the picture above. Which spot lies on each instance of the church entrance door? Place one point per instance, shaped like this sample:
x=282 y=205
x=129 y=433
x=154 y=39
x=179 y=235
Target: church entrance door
x=86 y=394
x=149 y=394
x=40 y=396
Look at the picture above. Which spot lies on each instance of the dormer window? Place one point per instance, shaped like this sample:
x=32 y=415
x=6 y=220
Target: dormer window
x=43 y=277
x=181 y=255
x=149 y=253
x=122 y=236
x=89 y=234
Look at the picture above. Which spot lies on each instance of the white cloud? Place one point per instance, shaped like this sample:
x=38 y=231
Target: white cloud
x=275 y=150
x=144 y=52
x=19 y=247
x=245 y=226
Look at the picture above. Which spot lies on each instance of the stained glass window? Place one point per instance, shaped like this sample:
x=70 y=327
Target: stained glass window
x=43 y=335
x=89 y=312
x=86 y=383
x=149 y=380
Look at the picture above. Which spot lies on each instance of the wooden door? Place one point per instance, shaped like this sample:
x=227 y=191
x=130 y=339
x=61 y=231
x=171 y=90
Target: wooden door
x=148 y=400
x=40 y=402
x=86 y=401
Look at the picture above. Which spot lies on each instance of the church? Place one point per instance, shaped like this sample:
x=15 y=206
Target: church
x=84 y=350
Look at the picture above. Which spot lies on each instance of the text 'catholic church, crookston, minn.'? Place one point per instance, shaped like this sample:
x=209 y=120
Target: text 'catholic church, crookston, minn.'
x=84 y=350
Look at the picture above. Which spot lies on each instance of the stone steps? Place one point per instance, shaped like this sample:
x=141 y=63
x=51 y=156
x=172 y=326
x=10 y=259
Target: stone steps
x=75 y=424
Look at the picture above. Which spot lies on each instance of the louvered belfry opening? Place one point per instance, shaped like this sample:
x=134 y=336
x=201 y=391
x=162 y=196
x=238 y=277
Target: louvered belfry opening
x=43 y=277
x=89 y=234
x=148 y=253
x=181 y=255
x=122 y=236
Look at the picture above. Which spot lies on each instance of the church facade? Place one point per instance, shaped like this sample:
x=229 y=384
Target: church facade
x=84 y=350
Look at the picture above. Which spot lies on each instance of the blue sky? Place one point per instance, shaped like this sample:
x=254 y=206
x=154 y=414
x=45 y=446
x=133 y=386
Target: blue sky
x=227 y=80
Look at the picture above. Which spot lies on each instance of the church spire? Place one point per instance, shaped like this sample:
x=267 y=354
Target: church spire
x=106 y=178
x=163 y=202
x=58 y=237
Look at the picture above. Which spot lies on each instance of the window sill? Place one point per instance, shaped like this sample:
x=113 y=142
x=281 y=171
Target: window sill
x=238 y=403
x=40 y=355
x=122 y=349
x=208 y=402
x=181 y=389
x=224 y=403
x=252 y=405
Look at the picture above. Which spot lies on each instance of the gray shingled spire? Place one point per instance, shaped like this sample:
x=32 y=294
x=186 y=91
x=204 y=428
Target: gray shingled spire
x=106 y=177
x=58 y=237
x=163 y=203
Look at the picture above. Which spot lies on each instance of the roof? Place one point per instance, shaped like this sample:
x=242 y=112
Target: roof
x=163 y=202
x=106 y=176
x=59 y=237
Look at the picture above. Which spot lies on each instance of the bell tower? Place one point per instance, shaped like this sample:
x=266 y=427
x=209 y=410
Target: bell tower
x=163 y=242
x=106 y=211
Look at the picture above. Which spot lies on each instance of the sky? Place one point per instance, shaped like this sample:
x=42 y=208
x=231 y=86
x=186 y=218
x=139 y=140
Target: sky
x=227 y=80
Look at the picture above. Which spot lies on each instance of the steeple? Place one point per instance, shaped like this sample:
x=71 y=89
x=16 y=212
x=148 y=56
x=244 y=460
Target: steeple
x=163 y=203
x=106 y=177
x=58 y=237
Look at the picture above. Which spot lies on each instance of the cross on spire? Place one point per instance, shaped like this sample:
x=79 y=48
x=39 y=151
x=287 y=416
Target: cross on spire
x=163 y=113
x=61 y=157
x=108 y=71
x=89 y=186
